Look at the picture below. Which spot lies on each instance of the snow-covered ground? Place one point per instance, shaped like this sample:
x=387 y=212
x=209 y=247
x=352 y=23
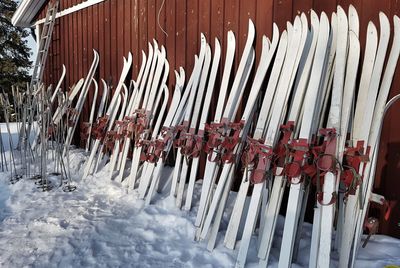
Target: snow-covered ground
x=102 y=225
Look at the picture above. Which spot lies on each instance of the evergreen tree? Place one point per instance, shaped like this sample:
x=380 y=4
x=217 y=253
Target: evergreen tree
x=14 y=51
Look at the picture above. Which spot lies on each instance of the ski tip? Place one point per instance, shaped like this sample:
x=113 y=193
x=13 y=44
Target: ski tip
x=304 y=20
x=396 y=24
x=371 y=28
x=217 y=46
x=313 y=14
x=177 y=77
x=384 y=21
x=333 y=16
x=324 y=18
x=202 y=37
x=155 y=44
x=163 y=51
x=166 y=65
x=251 y=26
x=352 y=10
x=289 y=27
x=150 y=49
x=208 y=49
x=231 y=37
x=265 y=41
x=284 y=34
x=275 y=30
x=182 y=74
x=396 y=20
x=297 y=21
x=96 y=86
x=339 y=9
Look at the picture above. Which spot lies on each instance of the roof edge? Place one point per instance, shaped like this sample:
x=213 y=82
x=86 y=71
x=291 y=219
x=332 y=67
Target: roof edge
x=26 y=12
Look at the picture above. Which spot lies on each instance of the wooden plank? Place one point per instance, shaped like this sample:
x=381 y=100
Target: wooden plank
x=92 y=34
x=86 y=35
x=302 y=6
x=93 y=40
x=205 y=19
x=107 y=41
x=100 y=23
x=151 y=17
x=63 y=50
x=114 y=42
x=127 y=31
x=247 y=11
x=160 y=22
x=75 y=45
x=192 y=34
x=85 y=58
x=143 y=43
x=231 y=22
x=170 y=41
x=283 y=10
x=263 y=22
x=55 y=53
x=120 y=44
x=134 y=37
x=327 y=6
x=69 y=48
x=79 y=47
x=217 y=31
x=180 y=45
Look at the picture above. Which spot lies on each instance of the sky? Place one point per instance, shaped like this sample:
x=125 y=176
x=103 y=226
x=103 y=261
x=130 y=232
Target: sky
x=32 y=45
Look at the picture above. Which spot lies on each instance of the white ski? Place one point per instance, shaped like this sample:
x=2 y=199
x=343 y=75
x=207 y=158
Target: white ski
x=310 y=104
x=110 y=115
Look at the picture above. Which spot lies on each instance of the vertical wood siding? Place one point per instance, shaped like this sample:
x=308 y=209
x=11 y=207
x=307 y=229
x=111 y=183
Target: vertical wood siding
x=115 y=27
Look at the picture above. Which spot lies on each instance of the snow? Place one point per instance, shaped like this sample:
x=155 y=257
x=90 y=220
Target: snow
x=103 y=225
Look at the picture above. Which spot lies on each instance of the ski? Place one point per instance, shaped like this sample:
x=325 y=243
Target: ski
x=144 y=117
x=376 y=127
x=109 y=116
x=191 y=87
x=210 y=166
x=186 y=149
x=361 y=134
x=267 y=54
x=165 y=139
x=140 y=83
x=198 y=139
x=229 y=132
x=309 y=116
x=87 y=126
x=277 y=114
x=75 y=113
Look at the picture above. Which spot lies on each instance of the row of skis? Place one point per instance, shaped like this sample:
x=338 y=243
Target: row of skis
x=306 y=124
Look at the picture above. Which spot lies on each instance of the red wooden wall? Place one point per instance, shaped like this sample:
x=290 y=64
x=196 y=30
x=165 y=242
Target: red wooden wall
x=115 y=27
